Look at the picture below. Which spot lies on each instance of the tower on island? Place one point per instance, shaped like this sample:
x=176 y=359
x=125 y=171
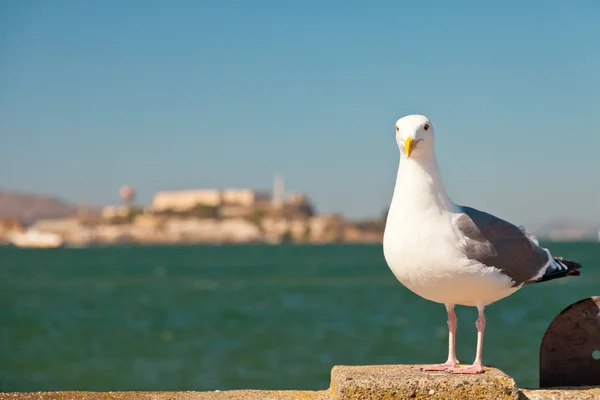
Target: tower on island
x=127 y=194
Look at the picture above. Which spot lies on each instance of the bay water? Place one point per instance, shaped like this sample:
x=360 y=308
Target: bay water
x=245 y=317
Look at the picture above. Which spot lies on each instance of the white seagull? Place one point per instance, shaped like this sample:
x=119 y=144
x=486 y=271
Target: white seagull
x=452 y=254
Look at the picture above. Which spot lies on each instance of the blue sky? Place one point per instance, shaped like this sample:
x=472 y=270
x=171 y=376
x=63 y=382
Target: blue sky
x=170 y=95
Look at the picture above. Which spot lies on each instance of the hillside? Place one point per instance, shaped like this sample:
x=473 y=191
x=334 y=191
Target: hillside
x=28 y=208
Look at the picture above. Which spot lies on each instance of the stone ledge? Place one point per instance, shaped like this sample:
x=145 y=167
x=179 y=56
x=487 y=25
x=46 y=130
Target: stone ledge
x=212 y=395
x=381 y=382
x=403 y=382
x=580 y=393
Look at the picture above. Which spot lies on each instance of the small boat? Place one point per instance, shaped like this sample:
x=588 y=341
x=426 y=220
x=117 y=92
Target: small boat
x=36 y=239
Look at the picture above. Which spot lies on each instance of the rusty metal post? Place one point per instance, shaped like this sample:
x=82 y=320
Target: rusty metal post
x=570 y=350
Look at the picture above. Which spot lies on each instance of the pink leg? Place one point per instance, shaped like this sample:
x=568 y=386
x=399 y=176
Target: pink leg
x=477 y=367
x=452 y=361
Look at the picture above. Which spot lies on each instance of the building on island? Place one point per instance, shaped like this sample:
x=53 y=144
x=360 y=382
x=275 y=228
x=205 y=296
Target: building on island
x=232 y=202
x=185 y=200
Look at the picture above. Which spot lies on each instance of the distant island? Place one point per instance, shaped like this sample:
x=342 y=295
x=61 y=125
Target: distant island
x=187 y=216
x=205 y=216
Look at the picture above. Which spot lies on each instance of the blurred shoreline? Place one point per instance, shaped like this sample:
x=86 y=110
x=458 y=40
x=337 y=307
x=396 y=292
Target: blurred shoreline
x=201 y=216
x=146 y=227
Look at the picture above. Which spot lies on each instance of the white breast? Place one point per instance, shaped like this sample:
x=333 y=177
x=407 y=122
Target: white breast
x=419 y=249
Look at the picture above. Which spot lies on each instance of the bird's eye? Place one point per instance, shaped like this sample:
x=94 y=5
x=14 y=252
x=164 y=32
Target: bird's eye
x=397 y=129
x=426 y=127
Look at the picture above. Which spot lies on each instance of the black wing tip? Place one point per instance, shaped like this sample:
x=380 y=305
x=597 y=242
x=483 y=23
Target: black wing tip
x=571 y=265
x=572 y=270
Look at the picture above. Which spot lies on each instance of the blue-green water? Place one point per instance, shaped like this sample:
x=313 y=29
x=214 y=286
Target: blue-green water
x=232 y=317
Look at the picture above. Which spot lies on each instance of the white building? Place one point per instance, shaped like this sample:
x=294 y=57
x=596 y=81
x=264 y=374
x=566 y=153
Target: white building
x=187 y=199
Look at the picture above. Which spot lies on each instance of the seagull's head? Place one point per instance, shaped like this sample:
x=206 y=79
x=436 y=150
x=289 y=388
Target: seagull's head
x=415 y=136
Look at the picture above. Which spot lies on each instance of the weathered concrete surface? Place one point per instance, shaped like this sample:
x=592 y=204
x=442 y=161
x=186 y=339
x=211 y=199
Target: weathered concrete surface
x=569 y=393
x=213 y=395
x=402 y=382
x=524 y=394
x=381 y=382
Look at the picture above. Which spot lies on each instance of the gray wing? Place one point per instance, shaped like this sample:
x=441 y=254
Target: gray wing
x=498 y=243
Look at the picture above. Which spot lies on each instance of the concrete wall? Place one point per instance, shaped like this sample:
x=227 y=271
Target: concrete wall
x=360 y=383
x=244 y=197
x=185 y=199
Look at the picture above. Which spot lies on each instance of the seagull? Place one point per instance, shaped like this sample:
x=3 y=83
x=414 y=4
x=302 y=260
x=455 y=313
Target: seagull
x=452 y=254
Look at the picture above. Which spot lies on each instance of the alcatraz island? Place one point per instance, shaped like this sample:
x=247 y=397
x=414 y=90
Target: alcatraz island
x=204 y=216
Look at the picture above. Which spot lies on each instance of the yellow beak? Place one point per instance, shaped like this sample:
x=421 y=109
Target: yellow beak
x=409 y=146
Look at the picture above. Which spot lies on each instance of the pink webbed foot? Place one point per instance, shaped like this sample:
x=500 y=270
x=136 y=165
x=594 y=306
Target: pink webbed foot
x=436 y=367
x=473 y=369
